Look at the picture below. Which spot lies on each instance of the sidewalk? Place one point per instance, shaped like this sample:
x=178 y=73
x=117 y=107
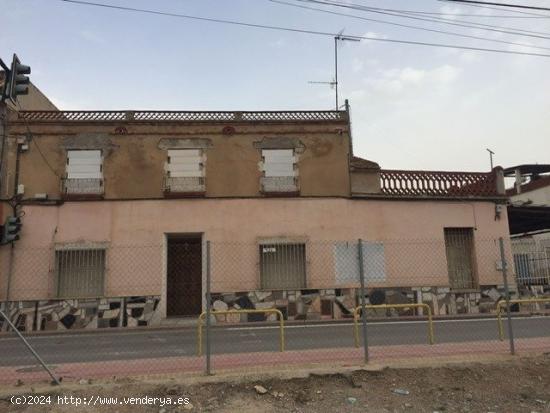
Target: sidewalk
x=347 y=355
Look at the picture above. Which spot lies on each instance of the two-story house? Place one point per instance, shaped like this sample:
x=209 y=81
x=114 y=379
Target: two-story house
x=117 y=208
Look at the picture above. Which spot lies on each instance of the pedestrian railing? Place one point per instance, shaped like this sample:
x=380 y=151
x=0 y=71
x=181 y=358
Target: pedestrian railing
x=387 y=306
x=502 y=304
x=255 y=311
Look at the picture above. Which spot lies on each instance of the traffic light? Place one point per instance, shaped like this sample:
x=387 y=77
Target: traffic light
x=18 y=82
x=12 y=226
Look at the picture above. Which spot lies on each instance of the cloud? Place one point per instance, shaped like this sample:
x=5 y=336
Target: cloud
x=400 y=80
x=372 y=35
x=451 y=11
x=91 y=36
x=278 y=44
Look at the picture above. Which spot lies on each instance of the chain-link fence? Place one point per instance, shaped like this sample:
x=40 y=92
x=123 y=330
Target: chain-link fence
x=191 y=305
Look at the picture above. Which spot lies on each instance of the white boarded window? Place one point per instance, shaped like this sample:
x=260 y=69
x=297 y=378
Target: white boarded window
x=84 y=172
x=185 y=170
x=346 y=262
x=279 y=170
x=84 y=164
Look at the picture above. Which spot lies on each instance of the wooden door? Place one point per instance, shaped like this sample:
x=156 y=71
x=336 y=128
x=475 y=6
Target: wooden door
x=184 y=272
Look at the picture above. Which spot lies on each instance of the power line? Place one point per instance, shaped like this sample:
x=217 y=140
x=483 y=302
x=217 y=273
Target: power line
x=305 y=31
x=518 y=6
x=408 y=26
x=499 y=9
x=507 y=16
x=453 y=22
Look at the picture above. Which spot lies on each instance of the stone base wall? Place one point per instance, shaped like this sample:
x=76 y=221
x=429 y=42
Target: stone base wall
x=323 y=304
x=327 y=304
x=82 y=313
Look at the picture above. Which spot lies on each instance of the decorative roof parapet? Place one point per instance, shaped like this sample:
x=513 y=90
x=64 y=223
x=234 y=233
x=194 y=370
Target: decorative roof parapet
x=178 y=116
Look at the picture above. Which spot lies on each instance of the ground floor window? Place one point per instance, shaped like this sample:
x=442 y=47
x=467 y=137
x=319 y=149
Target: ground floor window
x=80 y=272
x=282 y=266
x=459 y=248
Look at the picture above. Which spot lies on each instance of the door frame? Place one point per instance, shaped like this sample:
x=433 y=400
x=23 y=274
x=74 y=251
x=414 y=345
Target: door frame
x=164 y=289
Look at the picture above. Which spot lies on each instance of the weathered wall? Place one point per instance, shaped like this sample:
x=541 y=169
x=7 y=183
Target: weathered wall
x=34 y=100
x=134 y=162
x=412 y=233
x=365 y=182
x=539 y=196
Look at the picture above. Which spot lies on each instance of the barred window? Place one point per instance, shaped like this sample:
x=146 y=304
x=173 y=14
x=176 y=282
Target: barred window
x=459 y=247
x=80 y=272
x=282 y=266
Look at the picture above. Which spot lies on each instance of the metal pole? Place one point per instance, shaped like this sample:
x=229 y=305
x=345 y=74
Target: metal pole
x=336 y=68
x=507 y=292
x=10 y=270
x=34 y=353
x=491 y=153
x=208 y=304
x=363 y=309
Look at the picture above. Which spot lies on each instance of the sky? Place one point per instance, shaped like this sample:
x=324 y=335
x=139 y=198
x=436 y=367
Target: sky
x=412 y=107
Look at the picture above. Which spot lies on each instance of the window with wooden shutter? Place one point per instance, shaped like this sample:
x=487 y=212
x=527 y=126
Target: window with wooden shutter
x=279 y=171
x=84 y=173
x=185 y=171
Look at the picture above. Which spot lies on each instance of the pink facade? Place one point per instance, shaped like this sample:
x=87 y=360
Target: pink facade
x=134 y=233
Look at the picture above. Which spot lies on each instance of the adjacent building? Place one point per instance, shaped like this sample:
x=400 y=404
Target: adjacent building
x=529 y=217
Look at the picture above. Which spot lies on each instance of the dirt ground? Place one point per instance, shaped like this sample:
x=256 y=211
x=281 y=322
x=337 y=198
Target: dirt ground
x=518 y=385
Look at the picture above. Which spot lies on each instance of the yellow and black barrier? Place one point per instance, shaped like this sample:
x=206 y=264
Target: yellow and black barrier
x=386 y=306
x=502 y=303
x=256 y=311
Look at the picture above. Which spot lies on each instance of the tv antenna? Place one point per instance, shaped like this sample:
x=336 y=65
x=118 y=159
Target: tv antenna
x=334 y=84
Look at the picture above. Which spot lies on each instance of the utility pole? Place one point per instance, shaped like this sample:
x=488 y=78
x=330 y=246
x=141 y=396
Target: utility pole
x=491 y=153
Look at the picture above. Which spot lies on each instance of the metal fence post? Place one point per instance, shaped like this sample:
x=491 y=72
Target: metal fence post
x=363 y=309
x=507 y=292
x=208 y=304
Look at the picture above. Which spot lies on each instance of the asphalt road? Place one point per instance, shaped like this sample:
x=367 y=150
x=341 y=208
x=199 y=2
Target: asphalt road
x=139 y=344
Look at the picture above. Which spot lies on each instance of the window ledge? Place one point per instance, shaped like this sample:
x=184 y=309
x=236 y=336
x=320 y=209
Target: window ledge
x=282 y=194
x=82 y=197
x=176 y=195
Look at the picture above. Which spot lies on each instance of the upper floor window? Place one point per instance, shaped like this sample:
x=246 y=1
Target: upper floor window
x=185 y=172
x=84 y=173
x=279 y=171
